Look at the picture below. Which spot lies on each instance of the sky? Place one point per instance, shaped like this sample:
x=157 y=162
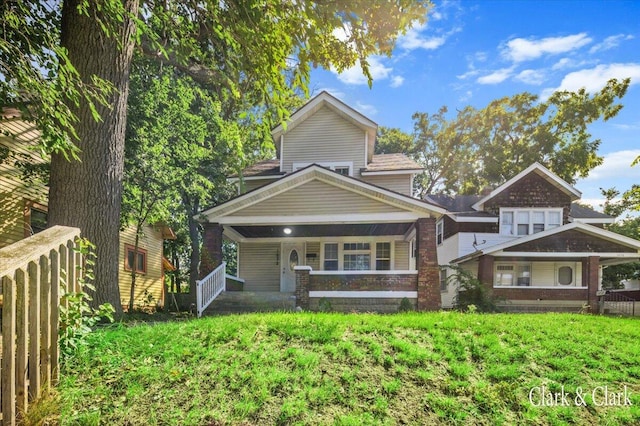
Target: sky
x=472 y=52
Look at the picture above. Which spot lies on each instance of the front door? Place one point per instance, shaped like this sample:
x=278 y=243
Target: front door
x=292 y=256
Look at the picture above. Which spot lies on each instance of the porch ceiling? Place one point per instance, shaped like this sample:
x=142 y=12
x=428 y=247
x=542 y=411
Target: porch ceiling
x=337 y=230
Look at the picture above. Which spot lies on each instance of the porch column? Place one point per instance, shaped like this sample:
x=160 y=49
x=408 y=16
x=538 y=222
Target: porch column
x=427 y=265
x=485 y=271
x=302 y=286
x=211 y=254
x=591 y=279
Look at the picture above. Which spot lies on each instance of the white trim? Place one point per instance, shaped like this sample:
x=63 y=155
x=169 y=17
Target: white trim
x=392 y=272
x=392 y=172
x=315 y=172
x=440 y=224
x=601 y=220
x=564 y=186
x=282 y=153
x=327 y=164
x=532 y=287
x=233 y=234
x=366 y=150
x=472 y=219
x=564 y=255
x=302 y=268
x=396 y=217
x=234 y=278
x=365 y=294
x=529 y=211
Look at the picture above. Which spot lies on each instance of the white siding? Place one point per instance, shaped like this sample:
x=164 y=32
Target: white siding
x=466 y=239
x=324 y=137
x=401 y=255
x=313 y=247
x=260 y=266
x=448 y=250
x=315 y=198
x=398 y=183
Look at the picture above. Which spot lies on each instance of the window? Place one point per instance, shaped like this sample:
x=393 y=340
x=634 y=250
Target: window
x=35 y=218
x=357 y=256
x=141 y=264
x=524 y=275
x=504 y=275
x=565 y=275
x=343 y=170
x=383 y=256
x=443 y=279
x=331 y=257
x=528 y=221
x=439 y=231
x=512 y=274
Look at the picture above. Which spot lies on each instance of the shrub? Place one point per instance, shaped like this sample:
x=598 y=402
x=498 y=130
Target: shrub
x=405 y=305
x=472 y=295
x=324 y=305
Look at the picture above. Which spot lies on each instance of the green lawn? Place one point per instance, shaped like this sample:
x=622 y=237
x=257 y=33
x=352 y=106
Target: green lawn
x=437 y=368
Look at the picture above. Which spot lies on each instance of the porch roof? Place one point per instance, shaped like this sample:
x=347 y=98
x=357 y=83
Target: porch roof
x=573 y=240
x=332 y=230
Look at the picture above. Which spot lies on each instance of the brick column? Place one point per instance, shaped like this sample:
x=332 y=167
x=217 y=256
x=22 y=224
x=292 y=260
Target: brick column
x=211 y=254
x=591 y=279
x=302 y=286
x=485 y=271
x=427 y=264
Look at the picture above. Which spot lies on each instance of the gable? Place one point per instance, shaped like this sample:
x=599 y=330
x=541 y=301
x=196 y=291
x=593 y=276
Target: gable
x=322 y=138
x=314 y=198
x=530 y=191
x=573 y=240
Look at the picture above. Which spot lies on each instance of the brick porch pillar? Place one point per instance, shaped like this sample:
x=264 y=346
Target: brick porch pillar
x=591 y=279
x=211 y=254
x=485 y=271
x=302 y=286
x=427 y=264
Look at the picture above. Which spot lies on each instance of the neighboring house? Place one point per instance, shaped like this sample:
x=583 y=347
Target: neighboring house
x=530 y=243
x=329 y=219
x=23 y=212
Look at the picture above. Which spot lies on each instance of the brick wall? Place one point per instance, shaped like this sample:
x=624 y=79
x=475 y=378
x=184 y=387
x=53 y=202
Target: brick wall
x=347 y=304
x=302 y=288
x=530 y=293
x=362 y=282
x=211 y=254
x=427 y=265
x=572 y=241
x=530 y=192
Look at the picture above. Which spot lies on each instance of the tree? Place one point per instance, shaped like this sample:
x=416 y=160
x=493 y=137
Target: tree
x=486 y=147
x=230 y=46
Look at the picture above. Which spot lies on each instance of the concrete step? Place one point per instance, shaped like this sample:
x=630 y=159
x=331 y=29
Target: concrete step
x=247 y=301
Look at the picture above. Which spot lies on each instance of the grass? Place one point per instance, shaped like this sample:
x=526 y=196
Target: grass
x=437 y=368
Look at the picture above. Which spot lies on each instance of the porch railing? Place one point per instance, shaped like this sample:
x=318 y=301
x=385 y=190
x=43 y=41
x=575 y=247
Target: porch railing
x=618 y=304
x=208 y=288
x=31 y=272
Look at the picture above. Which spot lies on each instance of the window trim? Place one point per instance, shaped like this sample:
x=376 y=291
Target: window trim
x=530 y=211
x=574 y=275
x=131 y=248
x=28 y=207
x=444 y=280
x=373 y=242
x=439 y=232
x=516 y=274
x=331 y=165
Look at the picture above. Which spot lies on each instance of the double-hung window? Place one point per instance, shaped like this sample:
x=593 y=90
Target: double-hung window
x=331 y=257
x=383 y=256
x=439 y=232
x=528 y=221
x=141 y=260
x=357 y=256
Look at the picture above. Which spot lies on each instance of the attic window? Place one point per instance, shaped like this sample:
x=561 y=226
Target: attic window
x=528 y=221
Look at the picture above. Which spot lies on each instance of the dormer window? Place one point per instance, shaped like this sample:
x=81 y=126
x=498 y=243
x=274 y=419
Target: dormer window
x=528 y=221
x=345 y=168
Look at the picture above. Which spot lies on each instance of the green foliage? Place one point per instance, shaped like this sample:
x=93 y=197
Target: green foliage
x=76 y=316
x=486 y=147
x=391 y=141
x=324 y=305
x=473 y=296
x=405 y=305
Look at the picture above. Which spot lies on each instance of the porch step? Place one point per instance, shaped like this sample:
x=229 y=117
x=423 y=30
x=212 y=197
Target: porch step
x=231 y=302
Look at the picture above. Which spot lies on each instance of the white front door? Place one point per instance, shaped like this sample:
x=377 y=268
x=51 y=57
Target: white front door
x=292 y=256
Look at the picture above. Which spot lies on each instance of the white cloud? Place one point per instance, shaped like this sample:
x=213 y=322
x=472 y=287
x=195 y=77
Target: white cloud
x=521 y=49
x=496 y=77
x=481 y=56
x=533 y=77
x=610 y=42
x=594 y=79
x=396 y=81
x=470 y=73
x=355 y=76
x=562 y=64
x=366 y=109
x=466 y=96
x=616 y=165
x=414 y=39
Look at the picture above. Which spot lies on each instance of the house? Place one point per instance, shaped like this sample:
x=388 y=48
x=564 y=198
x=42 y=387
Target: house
x=530 y=243
x=328 y=219
x=23 y=212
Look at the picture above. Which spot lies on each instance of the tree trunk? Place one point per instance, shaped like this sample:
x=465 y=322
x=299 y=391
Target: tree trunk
x=87 y=194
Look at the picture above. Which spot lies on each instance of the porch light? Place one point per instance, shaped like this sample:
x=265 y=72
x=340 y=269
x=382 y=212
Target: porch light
x=287 y=231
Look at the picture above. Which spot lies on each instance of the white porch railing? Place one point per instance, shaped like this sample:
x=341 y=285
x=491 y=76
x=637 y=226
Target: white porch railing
x=208 y=288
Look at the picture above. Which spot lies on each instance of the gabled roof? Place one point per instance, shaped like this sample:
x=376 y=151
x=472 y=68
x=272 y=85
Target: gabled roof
x=316 y=172
x=542 y=171
x=585 y=228
x=263 y=168
x=583 y=213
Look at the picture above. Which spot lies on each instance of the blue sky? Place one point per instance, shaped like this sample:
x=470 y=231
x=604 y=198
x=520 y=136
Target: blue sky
x=471 y=52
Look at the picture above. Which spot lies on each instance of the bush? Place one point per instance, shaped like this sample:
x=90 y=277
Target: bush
x=405 y=305
x=324 y=305
x=472 y=295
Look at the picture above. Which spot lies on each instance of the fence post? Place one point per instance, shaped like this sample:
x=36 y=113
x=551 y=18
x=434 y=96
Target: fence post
x=34 y=330
x=45 y=331
x=22 y=332
x=55 y=315
x=8 y=352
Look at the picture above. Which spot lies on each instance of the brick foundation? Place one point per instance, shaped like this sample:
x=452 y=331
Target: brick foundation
x=302 y=286
x=362 y=282
x=347 y=304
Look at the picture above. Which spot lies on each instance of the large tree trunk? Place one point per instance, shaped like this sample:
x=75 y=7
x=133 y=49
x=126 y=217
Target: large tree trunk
x=87 y=194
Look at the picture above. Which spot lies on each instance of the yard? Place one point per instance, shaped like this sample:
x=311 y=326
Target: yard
x=436 y=368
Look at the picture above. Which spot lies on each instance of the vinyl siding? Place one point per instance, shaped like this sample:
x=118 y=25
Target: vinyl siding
x=401 y=255
x=324 y=137
x=250 y=185
x=260 y=266
x=397 y=183
x=15 y=192
x=313 y=248
x=315 y=198
x=152 y=280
